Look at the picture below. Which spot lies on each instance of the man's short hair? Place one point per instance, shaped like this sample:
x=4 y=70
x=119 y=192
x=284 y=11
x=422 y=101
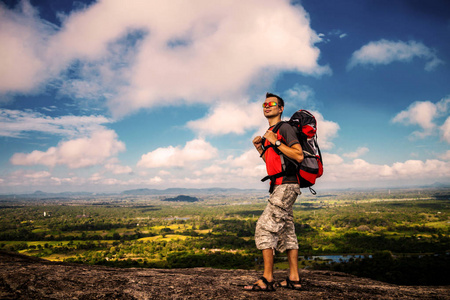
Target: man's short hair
x=280 y=100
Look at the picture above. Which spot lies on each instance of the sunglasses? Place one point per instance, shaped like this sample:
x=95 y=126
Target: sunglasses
x=269 y=104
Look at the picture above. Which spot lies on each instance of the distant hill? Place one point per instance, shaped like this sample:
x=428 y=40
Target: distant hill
x=138 y=192
x=186 y=191
x=39 y=193
x=182 y=198
x=440 y=185
x=42 y=195
x=194 y=192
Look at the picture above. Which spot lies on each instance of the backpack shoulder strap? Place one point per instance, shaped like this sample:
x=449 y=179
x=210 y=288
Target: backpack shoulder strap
x=275 y=130
x=283 y=164
x=278 y=126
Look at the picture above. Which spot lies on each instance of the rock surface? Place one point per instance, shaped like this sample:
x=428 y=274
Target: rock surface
x=23 y=277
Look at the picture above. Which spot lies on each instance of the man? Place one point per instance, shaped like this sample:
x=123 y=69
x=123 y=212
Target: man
x=275 y=228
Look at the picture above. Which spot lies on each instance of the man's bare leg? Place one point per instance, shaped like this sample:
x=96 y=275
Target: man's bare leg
x=268 y=269
x=268 y=264
x=292 y=256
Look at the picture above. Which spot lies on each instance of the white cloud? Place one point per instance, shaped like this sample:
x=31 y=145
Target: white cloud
x=248 y=164
x=326 y=131
x=99 y=180
x=37 y=175
x=418 y=113
x=417 y=168
x=408 y=172
x=445 y=156
x=156 y=180
x=327 y=38
x=118 y=169
x=96 y=177
x=241 y=117
x=424 y=114
x=15 y=123
x=211 y=170
x=299 y=93
x=67 y=181
x=163 y=173
x=148 y=52
x=385 y=52
x=77 y=153
x=234 y=117
x=359 y=152
x=224 y=47
x=445 y=130
x=196 y=150
x=331 y=159
x=26 y=178
x=247 y=169
x=243 y=170
x=23 y=44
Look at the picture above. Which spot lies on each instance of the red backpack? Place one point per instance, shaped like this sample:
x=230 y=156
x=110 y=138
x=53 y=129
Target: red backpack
x=311 y=168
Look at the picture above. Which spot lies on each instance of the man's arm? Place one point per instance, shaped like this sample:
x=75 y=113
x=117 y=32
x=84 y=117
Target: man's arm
x=294 y=152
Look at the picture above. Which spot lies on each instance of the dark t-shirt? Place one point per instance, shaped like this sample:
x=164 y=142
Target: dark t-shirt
x=286 y=135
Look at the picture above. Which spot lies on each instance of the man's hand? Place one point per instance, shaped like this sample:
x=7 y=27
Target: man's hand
x=257 y=142
x=271 y=136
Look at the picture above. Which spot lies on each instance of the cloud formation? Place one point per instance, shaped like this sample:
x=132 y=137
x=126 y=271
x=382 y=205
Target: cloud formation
x=425 y=115
x=229 y=118
x=384 y=52
x=298 y=93
x=359 y=152
x=115 y=168
x=148 y=52
x=445 y=156
x=195 y=150
x=409 y=172
x=77 y=153
x=445 y=130
x=326 y=131
x=23 y=46
x=17 y=123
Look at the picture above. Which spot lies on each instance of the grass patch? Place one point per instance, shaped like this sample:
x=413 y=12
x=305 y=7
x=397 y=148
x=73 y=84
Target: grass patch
x=439 y=225
x=167 y=238
x=203 y=231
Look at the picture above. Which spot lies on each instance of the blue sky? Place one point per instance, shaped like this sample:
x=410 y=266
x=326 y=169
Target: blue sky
x=105 y=96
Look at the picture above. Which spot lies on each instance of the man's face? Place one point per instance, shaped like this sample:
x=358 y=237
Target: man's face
x=272 y=111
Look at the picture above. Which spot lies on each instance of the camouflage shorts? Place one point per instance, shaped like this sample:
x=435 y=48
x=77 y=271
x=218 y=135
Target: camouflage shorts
x=275 y=228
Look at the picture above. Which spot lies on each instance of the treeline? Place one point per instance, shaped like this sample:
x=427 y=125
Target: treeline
x=219 y=260
x=28 y=235
x=181 y=198
x=364 y=243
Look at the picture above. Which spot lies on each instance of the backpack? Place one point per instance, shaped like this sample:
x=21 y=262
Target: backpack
x=311 y=168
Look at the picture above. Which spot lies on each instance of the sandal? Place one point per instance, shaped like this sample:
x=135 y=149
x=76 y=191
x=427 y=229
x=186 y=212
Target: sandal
x=290 y=284
x=270 y=287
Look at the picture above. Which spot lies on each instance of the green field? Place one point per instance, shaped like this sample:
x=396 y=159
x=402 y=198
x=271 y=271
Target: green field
x=218 y=231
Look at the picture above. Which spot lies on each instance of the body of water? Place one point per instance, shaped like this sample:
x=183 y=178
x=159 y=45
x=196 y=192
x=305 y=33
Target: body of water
x=334 y=258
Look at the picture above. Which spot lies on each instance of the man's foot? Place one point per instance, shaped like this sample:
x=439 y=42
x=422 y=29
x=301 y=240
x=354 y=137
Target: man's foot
x=262 y=285
x=290 y=284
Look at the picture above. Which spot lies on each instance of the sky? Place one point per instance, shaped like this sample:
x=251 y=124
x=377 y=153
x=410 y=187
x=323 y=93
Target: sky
x=106 y=96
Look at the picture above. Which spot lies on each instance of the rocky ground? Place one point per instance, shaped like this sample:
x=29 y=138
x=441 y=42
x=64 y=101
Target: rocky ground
x=23 y=277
